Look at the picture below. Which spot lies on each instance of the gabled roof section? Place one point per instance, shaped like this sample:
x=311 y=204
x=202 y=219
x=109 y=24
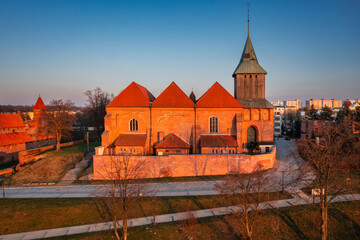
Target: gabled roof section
x=172 y=141
x=39 y=105
x=128 y=139
x=248 y=62
x=218 y=141
x=134 y=95
x=11 y=121
x=217 y=97
x=14 y=138
x=173 y=96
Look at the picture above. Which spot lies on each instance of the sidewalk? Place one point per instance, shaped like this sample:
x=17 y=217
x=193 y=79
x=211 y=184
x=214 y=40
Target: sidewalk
x=300 y=198
x=72 y=174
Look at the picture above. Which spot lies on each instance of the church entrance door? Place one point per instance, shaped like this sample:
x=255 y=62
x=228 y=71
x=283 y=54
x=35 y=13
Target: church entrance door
x=251 y=137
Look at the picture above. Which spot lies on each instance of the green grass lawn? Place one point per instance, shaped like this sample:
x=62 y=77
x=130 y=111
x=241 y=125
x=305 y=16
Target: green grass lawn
x=300 y=222
x=19 y=215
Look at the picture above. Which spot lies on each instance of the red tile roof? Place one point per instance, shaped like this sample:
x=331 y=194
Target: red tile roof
x=134 y=95
x=128 y=139
x=172 y=141
x=173 y=96
x=39 y=105
x=33 y=124
x=217 y=97
x=11 y=121
x=14 y=138
x=218 y=141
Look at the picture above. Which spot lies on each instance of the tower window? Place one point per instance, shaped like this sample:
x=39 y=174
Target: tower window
x=255 y=76
x=250 y=76
x=133 y=125
x=244 y=76
x=214 y=128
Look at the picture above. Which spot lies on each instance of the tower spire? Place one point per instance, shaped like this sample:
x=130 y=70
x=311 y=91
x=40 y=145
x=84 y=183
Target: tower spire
x=248 y=20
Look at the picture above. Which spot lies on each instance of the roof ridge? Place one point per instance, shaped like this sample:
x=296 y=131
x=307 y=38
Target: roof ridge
x=173 y=96
x=217 y=96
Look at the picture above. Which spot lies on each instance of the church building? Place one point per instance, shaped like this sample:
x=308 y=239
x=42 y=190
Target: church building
x=173 y=123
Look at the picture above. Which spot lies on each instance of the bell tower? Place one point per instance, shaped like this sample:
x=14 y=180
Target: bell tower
x=249 y=76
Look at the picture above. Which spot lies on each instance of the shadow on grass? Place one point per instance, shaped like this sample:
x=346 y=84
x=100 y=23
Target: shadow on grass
x=290 y=222
x=230 y=229
x=346 y=221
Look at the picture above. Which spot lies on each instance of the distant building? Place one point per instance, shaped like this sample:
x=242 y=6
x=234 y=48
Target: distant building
x=321 y=103
x=17 y=135
x=314 y=128
x=352 y=101
x=354 y=106
x=281 y=108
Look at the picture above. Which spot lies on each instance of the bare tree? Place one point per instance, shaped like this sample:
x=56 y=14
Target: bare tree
x=328 y=161
x=97 y=100
x=115 y=202
x=60 y=120
x=247 y=192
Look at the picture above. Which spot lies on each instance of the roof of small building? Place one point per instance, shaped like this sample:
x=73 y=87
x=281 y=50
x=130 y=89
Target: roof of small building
x=173 y=96
x=217 y=97
x=133 y=95
x=39 y=105
x=172 y=141
x=130 y=139
x=255 y=103
x=218 y=141
x=11 y=120
x=248 y=62
x=14 y=138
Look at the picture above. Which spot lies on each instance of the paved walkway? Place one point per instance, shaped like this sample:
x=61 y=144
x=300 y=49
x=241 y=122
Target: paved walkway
x=300 y=198
x=73 y=174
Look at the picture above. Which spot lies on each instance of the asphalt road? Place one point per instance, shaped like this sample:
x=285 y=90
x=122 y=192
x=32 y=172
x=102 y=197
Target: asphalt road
x=287 y=161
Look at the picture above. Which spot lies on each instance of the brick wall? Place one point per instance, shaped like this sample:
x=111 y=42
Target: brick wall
x=187 y=165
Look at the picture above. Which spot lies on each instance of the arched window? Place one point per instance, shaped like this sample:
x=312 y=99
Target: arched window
x=214 y=125
x=133 y=125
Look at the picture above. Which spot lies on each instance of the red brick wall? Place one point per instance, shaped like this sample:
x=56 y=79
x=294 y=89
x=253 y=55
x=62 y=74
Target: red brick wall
x=187 y=165
x=119 y=123
x=172 y=120
x=182 y=122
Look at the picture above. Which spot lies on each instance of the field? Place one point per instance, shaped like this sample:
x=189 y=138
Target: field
x=301 y=222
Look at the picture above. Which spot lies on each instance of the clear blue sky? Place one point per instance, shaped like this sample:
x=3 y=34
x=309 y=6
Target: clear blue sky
x=60 y=49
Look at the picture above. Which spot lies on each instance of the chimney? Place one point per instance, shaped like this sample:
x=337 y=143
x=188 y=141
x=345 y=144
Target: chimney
x=160 y=136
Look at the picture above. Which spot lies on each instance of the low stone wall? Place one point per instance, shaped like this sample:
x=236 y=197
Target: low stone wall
x=29 y=155
x=186 y=165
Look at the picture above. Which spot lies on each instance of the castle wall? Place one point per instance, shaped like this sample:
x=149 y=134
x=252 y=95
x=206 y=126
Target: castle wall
x=185 y=165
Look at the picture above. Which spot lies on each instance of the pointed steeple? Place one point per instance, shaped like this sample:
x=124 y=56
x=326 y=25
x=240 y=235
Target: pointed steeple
x=248 y=62
x=192 y=96
x=39 y=105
